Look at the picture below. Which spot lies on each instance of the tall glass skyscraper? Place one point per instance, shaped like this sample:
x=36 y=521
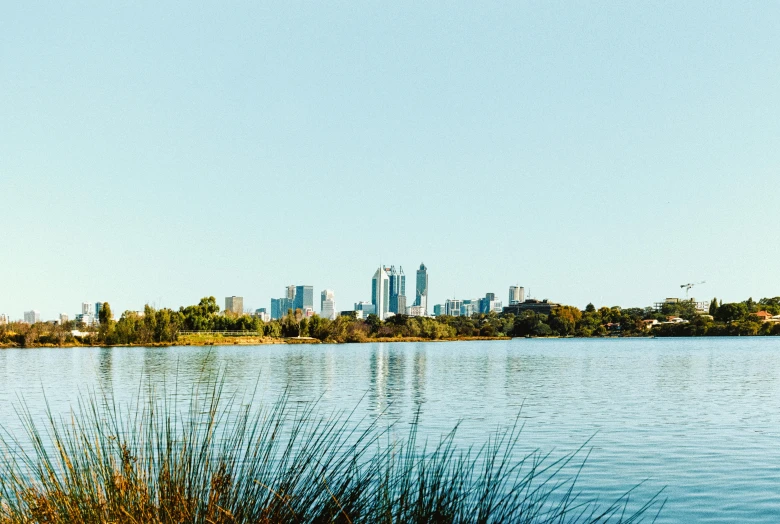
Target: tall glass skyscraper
x=280 y=307
x=397 y=290
x=304 y=297
x=380 y=292
x=421 y=289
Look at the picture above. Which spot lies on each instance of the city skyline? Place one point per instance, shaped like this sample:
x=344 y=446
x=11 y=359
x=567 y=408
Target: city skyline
x=596 y=152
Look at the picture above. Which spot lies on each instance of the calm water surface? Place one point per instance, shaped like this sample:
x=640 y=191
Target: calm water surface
x=700 y=417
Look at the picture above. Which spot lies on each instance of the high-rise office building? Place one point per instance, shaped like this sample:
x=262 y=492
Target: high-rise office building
x=452 y=307
x=3 y=319
x=280 y=307
x=516 y=295
x=86 y=308
x=421 y=288
x=291 y=292
x=469 y=307
x=98 y=307
x=234 y=305
x=32 y=317
x=328 y=304
x=304 y=298
x=490 y=304
x=397 y=279
x=63 y=319
x=438 y=310
x=380 y=293
x=400 y=305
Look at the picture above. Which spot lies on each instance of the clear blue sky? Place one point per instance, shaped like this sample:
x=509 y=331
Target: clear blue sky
x=161 y=152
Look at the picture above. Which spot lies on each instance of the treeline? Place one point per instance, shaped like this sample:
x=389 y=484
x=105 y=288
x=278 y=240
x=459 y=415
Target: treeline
x=164 y=325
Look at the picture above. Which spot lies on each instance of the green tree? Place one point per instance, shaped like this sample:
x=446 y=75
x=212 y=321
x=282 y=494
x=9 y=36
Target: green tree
x=106 y=327
x=373 y=323
x=563 y=319
x=590 y=308
x=751 y=306
x=713 y=306
x=105 y=316
x=290 y=326
x=732 y=312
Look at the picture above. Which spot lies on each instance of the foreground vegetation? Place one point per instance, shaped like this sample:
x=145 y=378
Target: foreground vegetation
x=164 y=326
x=221 y=463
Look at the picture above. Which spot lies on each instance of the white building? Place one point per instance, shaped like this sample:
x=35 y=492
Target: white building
x=380 y=293
x=4 y=319
x=516 y=295
x=31 y=317
x=63 y=319
x=417 y=311
x=88 y=320
x=452 y=307
x=86 y=308
x=328 y=304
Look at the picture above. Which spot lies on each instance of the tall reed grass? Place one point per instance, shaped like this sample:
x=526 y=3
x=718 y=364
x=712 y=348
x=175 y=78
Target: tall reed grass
x=219 y=460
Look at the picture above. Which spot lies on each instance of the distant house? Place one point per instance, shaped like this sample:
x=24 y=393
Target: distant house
x=674 y=320
x=764 y=316
x=647 y=324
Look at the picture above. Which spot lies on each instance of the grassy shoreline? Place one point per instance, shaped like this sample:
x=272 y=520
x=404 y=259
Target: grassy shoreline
x=220 y=340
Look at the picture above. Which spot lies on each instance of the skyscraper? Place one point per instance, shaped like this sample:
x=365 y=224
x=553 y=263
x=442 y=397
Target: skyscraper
x=516 y=295
x=421 y=289
x=397 y=290
x=291 y=292
x=86 y=308
x=304 y=297
x=328 y=304
x=380 y=292
x=234 y=305
x=98 y=307
x=280 y=307
x=489 y=303
x=32 y=317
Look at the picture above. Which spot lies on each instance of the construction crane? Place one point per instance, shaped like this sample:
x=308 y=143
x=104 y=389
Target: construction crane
x=689 y=286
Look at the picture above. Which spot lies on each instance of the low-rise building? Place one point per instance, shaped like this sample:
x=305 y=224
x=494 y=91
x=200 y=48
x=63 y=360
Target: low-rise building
x=416 y=311
x=544 y=307
x=647 y=324
x=699 y=307
x=365 y=308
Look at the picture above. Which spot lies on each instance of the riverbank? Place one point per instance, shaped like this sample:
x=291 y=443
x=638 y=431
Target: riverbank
x=222 y=340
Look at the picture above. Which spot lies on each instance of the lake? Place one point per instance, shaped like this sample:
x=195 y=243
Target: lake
x=698 y=417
